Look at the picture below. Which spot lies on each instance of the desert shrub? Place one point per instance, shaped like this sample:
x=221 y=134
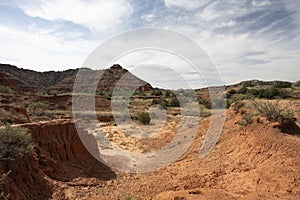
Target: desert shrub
x=168 y=93
x=15 y=142
x=273 y=111
x=53 y=92
x=5 y=89
x=238 y=105
x=143 y=118
x=269 y=93
x=161 y=101
x=246 y=119
x=38 y=108
x=173 y=102
x=126 y=196
x=156 y=92
x=283 y=84
x=107 y=94
x=166 y=103
x=248 y=84
x=139 y=93
x=254 y=92
x=230 y=93
x=243 y=90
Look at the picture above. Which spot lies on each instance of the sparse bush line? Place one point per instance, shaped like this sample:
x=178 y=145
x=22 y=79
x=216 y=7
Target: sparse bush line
x=273 y=111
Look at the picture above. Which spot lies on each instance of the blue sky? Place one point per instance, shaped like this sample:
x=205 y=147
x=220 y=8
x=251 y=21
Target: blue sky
x=245 y=39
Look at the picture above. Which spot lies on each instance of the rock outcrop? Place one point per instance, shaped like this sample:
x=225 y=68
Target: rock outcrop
x=61 y=151
x=59 y=155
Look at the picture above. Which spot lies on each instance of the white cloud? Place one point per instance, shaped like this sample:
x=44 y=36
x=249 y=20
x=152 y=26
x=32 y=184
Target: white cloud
x=217 y=10
x=226 y=24
x=187 y=4
x=97 y=15
x=148 y=17
x=162 y=69
x=234 y=35
x=39 y=50
x=259 y=3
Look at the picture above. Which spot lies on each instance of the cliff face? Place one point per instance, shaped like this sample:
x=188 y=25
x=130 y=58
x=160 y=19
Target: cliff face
x=59 y=156
x=61 y=151
x=25 y=180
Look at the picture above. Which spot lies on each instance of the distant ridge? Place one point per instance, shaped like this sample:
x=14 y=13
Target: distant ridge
x=24 y=80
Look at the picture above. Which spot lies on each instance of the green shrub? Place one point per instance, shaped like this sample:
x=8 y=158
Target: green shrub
x=38 y=108
x=107 y=94
x=174 y=103
x=238 y=105
x=53 y=92
x=5 y=89
x=15 y=142
x=139 y=93
x=126 y=196
x=143 y=118
x=230 y=93
x=246 y=119
x=273 y=111
x=168 y=93
x=283 y=84
x=156 y=92
x=243 y=90
x=248 y=84
x=269 y=93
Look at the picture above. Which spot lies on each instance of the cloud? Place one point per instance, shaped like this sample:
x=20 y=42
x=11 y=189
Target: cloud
x=97 y=15
x=186 y=4
x=35 y=48
x=261 y=3
x=148 y=17
x=245 y=39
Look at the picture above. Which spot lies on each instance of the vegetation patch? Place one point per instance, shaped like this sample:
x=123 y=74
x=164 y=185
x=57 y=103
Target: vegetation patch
x=38 y=108
x=5 y=89
x=15 y=142
x=274 y=111
x=143 y=118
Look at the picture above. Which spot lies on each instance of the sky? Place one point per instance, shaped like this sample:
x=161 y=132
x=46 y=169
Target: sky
x=244 y=39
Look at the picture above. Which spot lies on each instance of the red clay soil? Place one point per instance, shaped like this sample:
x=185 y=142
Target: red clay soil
x=253 y=162
x=257 y=161
x=59 y=157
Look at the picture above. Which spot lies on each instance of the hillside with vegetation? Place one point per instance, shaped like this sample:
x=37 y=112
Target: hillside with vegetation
x=43 y=156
